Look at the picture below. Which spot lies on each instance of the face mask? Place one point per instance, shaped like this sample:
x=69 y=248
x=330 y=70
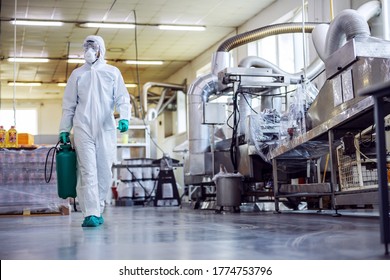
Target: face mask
x=90 y=56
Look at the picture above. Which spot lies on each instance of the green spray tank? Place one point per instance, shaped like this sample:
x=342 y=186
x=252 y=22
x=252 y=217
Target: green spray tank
x=66 y=168
x=66 y=163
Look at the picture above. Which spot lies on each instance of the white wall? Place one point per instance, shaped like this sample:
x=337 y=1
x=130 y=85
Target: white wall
x=49 y=116
x=49 y=113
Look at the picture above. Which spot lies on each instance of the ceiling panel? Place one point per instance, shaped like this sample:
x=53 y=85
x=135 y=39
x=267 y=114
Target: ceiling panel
x=175 y=48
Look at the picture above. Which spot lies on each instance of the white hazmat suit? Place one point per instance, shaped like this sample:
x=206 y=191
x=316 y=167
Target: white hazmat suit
x=92 y=93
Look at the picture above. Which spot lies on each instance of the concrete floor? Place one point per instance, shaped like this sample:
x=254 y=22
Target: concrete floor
x=172 y=233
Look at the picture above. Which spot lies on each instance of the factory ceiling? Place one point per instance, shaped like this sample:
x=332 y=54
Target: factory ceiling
x=144 y=42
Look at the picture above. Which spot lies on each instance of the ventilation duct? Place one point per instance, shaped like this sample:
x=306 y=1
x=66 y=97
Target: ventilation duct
x=149 y=85
x=346 y=25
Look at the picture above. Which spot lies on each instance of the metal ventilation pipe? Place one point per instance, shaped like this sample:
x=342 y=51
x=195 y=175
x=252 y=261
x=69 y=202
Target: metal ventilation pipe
x=201 y=89
x=149 y=85
x=262 y=32
x=318 y=37
x=254 y=61
x=345 y=26
x=135 y=107
x=353 y=24
x=162 y=97
x=257 y=34
x=267 y=101
x=163 y=106
x=244 y=107
x=199 y=93
x=385 y=10
x=370 y=10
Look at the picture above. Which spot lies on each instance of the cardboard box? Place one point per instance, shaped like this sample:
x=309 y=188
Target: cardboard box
x=25 y=139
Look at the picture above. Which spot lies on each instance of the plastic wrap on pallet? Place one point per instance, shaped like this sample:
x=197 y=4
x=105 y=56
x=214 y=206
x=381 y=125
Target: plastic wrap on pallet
x=263 y=132
x=23 y=186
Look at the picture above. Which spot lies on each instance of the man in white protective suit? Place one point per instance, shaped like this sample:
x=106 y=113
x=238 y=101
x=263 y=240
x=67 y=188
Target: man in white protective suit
x=93 y=92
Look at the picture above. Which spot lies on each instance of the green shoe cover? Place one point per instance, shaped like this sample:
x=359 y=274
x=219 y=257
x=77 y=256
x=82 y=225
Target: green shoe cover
x=91 y=221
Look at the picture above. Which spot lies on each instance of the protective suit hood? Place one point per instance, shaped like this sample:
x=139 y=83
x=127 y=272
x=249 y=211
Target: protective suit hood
x=99 y=40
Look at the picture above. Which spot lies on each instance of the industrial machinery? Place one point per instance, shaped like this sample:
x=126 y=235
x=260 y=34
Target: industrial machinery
x=270 y=147
x=137 y=175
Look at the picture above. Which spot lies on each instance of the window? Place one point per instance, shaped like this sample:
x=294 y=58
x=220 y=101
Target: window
x=26 y=120
x=267 y=48
x=175 y=120
x=284 y=50
x=181 y=112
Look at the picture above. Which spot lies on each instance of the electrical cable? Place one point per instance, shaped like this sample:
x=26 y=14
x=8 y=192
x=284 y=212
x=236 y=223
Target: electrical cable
x=54 y=149
x=151 y=192
x=228 y=119
x=14 y=87
x=142 y=186
x=67 y=67
x=143 y=114
x=148 y=196
x=247 y=102
x=304 y=43
x=234 y=144
x=136 y=56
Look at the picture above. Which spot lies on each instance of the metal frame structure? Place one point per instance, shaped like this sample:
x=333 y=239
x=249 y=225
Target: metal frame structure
x=381 y=93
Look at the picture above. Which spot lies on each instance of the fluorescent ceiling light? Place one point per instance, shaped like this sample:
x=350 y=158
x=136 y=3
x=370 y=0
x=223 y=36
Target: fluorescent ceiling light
x=28 y=59
x=127 y=85
x=25 y=84
x=182 y=27
x=76 y=60
x=37 y=23
x=144 y=62
x=107 y=25
x=131 y=85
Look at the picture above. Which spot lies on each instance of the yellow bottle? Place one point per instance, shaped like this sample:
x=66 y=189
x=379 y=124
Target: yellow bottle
x=12 y=138
x=3 y=134
x=388 y=174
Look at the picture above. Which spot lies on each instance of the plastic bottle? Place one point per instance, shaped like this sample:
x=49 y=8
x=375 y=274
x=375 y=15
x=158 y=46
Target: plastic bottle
x=12 y=138
x=3 y=134
x=388 y=173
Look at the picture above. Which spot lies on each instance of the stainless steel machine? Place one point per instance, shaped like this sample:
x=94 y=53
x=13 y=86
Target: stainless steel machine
x=352 y=59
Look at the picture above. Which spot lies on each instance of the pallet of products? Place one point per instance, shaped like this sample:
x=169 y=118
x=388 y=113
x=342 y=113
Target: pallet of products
x=25 y=139
x=23 y=188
